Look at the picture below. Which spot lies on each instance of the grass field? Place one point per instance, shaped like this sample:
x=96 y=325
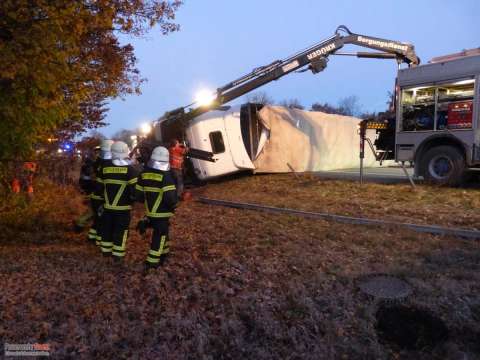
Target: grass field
x=242 y=284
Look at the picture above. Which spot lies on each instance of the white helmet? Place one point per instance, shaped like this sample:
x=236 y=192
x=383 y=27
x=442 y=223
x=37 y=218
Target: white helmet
x=105 y=149
x=160 y=154
x=119 y=150
x=160 y=159
x=106 y=145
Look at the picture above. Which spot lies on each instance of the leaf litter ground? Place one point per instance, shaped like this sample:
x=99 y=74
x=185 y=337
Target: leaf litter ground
x=241 y=284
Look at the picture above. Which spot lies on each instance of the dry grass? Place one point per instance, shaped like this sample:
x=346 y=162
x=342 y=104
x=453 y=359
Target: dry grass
x=242 y=284
x=426 y=205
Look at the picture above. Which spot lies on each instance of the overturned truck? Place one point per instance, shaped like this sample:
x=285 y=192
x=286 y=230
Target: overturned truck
x=272 y=139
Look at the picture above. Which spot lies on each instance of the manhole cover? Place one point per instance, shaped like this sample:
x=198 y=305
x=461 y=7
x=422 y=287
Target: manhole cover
x=409 y=327
x=384 y=287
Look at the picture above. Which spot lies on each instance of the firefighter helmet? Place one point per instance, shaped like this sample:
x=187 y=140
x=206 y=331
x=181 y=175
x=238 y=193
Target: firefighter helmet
x=119 y=150
x=160 y=154
x=106 y=145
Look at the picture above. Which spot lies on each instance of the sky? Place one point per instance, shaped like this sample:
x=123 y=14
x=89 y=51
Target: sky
x=221 y=40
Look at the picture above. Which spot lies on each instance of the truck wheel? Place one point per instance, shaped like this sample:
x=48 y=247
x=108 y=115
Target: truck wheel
x=443 y=165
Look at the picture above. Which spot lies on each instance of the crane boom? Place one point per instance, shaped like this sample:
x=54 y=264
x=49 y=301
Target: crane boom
x=314 y=58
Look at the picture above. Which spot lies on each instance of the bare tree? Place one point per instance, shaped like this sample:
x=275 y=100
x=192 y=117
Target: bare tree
x=260 y=97
x=124 y=135
x=327 y=108
x=350 y=105
x=96 y=135
x=292 y=104
x=368 y=115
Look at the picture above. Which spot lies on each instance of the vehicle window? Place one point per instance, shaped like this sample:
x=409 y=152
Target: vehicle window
x=441 y=107
x=216 y=139
x=455 y=105
x=418 y=108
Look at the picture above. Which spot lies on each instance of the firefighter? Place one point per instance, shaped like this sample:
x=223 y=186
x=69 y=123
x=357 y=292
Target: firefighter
x=86 y=182
x=177 y=156
x=87 y=170
x=118 y=182
x=157 y=190
x=96 y=197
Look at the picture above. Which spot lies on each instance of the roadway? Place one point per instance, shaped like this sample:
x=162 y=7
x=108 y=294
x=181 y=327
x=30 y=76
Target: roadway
x=384 y=174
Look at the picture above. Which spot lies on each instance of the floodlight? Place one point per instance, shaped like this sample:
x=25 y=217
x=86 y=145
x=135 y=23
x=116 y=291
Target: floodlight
x=205 y=97
x=145 y=128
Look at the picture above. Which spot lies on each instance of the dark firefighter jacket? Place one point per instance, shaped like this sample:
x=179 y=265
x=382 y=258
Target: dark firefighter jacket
x=118 y=186
x=157 y=189
x=87 y=176
x=98 y=193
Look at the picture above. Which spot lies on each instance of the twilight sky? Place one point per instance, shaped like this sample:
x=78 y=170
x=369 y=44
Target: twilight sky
x=221 y=40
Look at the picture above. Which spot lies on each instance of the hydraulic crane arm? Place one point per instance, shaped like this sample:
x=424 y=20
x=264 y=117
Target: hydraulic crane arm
x=313 y=58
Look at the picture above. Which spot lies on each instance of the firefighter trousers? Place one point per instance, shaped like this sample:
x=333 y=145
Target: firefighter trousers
x=159 y=246
x=114 y=232
x=82 y=221
x=94 y=232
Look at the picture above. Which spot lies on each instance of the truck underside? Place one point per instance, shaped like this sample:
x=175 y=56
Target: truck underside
x=251 y=127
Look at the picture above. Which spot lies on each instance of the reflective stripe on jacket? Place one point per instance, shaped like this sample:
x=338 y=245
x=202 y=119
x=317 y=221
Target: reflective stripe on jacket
x=118 y=187
x=157 y=190
x=98 y=193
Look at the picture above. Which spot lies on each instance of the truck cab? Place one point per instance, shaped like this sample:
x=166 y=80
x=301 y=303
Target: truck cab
x=231 y=133
x=437 y=112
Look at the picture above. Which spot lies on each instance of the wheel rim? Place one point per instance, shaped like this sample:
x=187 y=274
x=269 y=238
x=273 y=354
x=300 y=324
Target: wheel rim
x=440 y=167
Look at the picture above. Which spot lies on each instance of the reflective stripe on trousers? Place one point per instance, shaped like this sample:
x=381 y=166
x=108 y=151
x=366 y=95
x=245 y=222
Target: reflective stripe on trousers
x=154 y=256
x=92 y=234
x=119 y=249
x=160 y=243
x=106 y=246
x=114 y=231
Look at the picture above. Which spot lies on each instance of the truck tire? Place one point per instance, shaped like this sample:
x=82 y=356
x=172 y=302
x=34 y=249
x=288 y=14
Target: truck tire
x=443 y=165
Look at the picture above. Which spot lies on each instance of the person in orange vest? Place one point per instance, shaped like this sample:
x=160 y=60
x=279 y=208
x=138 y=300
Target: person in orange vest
x=29 y=169
x=17 y=180
x=16 y=186
x=177 y=156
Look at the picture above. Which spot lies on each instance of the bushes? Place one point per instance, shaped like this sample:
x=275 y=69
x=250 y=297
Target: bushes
x=41 y=219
